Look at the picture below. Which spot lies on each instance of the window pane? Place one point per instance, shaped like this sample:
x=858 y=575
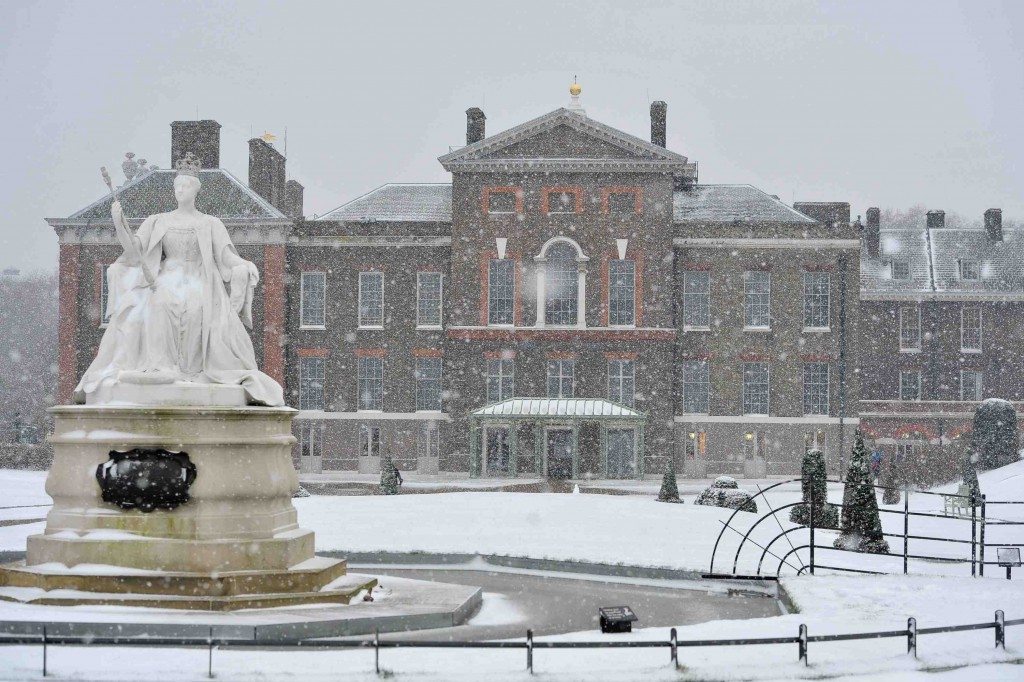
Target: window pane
x=311 y=383
x=501 y=291
x=900 y=269
x=500 y=380
x=755 y=388
x=371 y=383
x=428 y=299
x=970 y=328
x=970 y=385
x=969 y=270
x=428 y=440
x=498 y=450
x=757 y=298
x=428 y=384
x=312 y=298
x=371 y=299
x=621 y=292
x=696 y=387
x=622 y=382
x=560 y=378
x=910 y=328
x=562 y=202
x=621 y=453
x=622 y=203
x=816 y=299
x=910 y=385
x=561 y=285
x=816 y=388
x=696 y=298
x=501 y=202
x=369 y=440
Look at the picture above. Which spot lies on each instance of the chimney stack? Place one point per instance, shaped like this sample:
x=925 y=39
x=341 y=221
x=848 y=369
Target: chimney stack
x=267 y=173
x=475 y=121
x=202 y=138
x=659 y=116
x=829 y=213
x=994 y=224
x=873 y=232
x=936 y=220
x=294 y=192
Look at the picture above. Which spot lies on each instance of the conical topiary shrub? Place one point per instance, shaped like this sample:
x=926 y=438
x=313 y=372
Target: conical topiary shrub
x=814 y=483
x=669 y=489
x=862 y=527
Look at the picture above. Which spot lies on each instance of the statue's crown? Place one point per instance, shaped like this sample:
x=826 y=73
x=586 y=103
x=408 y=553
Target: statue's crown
x=189 y=165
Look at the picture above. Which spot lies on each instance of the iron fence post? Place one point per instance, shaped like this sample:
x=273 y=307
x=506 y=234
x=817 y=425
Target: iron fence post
x=974 y=541
x=44 y=651
x=810 y=523
x=906 y=526
x=1000 y=630
x=802 y=643
x=912 y=636
x=376 y=650
x=981 y=539
x=529 y=651
x=674 y=643
x=209 y=660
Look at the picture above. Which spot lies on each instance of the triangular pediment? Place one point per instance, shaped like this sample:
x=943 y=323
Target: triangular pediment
x=564 y=138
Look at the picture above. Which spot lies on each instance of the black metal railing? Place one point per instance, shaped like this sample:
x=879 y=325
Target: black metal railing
x=802 y=639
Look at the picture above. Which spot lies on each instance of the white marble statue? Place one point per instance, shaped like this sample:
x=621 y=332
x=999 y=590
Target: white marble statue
x=172 y=318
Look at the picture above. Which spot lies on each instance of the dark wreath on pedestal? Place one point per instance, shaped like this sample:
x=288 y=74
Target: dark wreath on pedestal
x=146 y=478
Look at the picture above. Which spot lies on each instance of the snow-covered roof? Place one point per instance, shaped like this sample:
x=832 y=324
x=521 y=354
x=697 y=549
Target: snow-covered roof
x=906 y=245
x=558 y=407
x=223 y=195
x=729 y=203
x=399 y=202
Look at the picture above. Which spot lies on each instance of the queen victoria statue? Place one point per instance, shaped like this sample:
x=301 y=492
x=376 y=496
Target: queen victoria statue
x=179 y=300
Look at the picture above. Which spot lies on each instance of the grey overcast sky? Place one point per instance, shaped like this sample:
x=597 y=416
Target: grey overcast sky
x=876 y=103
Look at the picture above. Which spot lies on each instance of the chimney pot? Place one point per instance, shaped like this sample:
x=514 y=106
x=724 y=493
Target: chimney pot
x=873 y=232
x=202 y=138
x=994 y=224
x=475 y=125
x=659 y=117
x=936 y=220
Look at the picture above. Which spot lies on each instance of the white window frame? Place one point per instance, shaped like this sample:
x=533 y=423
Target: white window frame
x=561 y=377
x=499 y=377
x=892 y=269
x=491 y=289
x=809 y=298
x=916 y=373
x=303 y=302
x=767 y=390
x=304 y=377
x=418 y=377
x=617 y=375
x=367 y=442
x=631 y=299
x=964 y=348
x=904 y=348
x=359 y=303
x=811 y=367
x=963 y=265
x=700 y=298
x=360 y=378
x=752 y=306
x=420 y=324
x=979 y=386
x=428 y=440
x=703 y=385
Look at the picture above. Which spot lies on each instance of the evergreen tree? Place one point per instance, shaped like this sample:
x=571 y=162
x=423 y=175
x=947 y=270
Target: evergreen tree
x=861 y=527
x=994 y=436
x=970 y=476
x=890 y=480
x=814 y=485
x=388 y=475
x=669 y=489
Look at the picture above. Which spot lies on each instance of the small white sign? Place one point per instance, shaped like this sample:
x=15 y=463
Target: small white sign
x=1008 y=556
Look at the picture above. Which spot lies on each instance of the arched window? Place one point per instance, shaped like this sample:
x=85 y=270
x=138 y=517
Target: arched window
x=561 y=286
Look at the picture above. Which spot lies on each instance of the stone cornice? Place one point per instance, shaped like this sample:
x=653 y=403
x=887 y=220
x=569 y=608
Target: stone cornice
x=102 y=233
x=575 y=166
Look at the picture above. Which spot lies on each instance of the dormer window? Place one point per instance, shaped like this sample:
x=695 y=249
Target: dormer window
x=969 y=270
x=501 y=202
x=900 y=269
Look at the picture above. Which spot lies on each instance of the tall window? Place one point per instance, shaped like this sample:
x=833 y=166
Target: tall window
x=816 y=299
x=910 y=385
x=428 y=441
x=561 y=285
x=561 y=378
x=815 y=388
x=970 y=385
x=428 y=299
x=500 y=379
x=311 y=443
x=696 y=387
x=755 y=387
x=621 y=292
x=371 y=299
x=369 y=440
x=757 y=288
x=696 y=299
x=910 y=328
x=621 y=382
x=969 y=270
x=428 y=384
x=311 y=383
x=501 y=289
x=312 y=298
x=970 y=328
x=371 y=383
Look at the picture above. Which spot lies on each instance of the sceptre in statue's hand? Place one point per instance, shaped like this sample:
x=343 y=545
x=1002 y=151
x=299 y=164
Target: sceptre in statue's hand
x=128 y=240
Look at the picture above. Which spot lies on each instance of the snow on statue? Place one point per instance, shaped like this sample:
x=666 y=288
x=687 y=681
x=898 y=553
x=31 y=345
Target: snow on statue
x=172 y=319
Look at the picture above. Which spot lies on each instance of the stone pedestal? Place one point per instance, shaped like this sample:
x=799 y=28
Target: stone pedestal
x=235 y=543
